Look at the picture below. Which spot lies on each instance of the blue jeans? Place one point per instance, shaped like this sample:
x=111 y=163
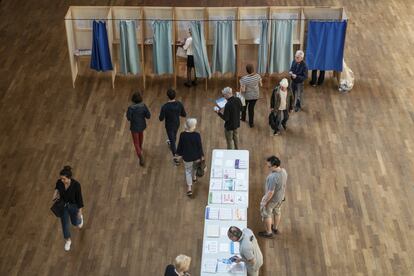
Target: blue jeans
x=70 y=211
x=172 y=136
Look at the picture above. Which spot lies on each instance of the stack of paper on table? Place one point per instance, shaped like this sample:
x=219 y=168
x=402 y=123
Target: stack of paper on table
x=240 y=185
x=227 y=197
x=228 y=184
x=238 y=268
x=217 y=172
x=239 y=214
x=214 y=197
x=212 y=213
x=240 y=164
x=226 y=214
x=229 y=173
x=241 y=198
x=209 y=266
x=215 y=184
x=213 y=231
x=211 y=247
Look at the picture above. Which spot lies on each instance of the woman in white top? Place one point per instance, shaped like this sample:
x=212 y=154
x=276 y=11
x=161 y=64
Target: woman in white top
x=249 y=87
x=188 y=46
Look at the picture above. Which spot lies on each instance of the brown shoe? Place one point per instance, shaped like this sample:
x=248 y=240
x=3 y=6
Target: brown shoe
x=141 y=161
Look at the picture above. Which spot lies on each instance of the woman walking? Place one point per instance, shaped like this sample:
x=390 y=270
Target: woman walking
x=69 y=191
x=190 y=150
x=137 y=114
x=249 y=87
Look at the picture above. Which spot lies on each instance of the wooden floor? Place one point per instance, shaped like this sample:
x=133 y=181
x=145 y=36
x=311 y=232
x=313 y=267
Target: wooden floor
x=349 y=157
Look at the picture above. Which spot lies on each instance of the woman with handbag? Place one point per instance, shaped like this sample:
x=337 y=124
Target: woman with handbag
x=68 y=193
x=190 y=150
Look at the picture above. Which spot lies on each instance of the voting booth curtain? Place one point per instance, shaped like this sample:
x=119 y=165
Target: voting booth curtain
x=281 y=51
x=202 y=67
x=325 y=45
x=100 y=56
x=263 y=47
x=129 y=52
x=161 y=51
x=224 y=50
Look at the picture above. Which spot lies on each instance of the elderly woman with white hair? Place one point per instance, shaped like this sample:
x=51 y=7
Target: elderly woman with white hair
x=190 y=150
x=180 y=267
x=298 y=73
x=281 y=104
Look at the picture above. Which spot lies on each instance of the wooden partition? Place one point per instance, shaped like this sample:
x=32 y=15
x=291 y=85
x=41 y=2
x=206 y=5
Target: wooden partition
x=78 y=23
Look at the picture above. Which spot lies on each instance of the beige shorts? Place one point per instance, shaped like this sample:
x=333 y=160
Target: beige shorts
x=271 y=209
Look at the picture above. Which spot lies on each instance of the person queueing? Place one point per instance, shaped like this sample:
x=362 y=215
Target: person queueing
x=271 y=204
x=249 y=87
x=298 y=74
x=188 y=46
x=231 y=117
x=180 y=267
x=137 y=114
x=281 y=103
x=190 y=149
x=249 y=249
x=69 y=191
x=317 y=80
x=171 y=112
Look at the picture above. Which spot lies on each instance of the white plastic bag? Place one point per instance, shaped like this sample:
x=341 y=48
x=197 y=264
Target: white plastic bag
x=347 y=80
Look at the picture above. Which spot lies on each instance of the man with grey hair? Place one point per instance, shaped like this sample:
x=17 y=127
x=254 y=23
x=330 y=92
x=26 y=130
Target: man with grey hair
x=231 y=116
x=298 y=74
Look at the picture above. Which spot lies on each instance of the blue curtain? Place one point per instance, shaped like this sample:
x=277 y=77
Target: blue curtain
x=129 y=54
x=100 y=57
x=161 y=50
x=325 y=45
x=224 y=50
x=202 y=68
x=263 y=47
x=281 y=51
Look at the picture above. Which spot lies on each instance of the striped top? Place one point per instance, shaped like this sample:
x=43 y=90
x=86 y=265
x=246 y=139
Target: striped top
x=251 y=84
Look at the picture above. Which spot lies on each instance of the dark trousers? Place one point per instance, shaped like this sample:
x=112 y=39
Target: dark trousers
x=70 y=211
x=282 y=117
x=250 y=107
x=138 y=138
x=314 y=77
x=172 y=136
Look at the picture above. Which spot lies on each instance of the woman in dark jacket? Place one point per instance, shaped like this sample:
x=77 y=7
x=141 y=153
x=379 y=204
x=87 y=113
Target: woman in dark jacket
x=190 y=150
x=69 y=191
x=137 y=114
x=180 y=267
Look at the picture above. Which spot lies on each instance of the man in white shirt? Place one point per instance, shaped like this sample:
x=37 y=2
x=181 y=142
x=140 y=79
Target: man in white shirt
x=188 y=47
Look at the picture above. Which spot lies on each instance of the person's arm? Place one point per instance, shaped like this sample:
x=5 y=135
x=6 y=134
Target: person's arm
x=56 y=194
x=128 y=114
x=200 y=147
x=162 y=114
x=183 y=113
x=147 y=113
x=242 y=86
x=267 y=197
x=260 y=81
x=272 y=100
x=79 y=199
x=179 y=151
x=303 y=74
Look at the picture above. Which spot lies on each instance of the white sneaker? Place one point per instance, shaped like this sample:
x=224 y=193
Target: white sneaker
x=67 y=245
x=81 y=223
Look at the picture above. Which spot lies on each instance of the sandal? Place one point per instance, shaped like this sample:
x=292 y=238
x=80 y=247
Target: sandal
x=189 y=193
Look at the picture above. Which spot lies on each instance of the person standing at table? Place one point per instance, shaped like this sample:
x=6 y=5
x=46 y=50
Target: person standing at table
x=249 y=249
x=137 y=114
x=171 y=112
x=249 y=88
x=298 y=73
x=69 y=191
x=180 y=267
x=272 y=201
x=281 y=104
x=231 y=117
x=190 y=149
x=188 y=47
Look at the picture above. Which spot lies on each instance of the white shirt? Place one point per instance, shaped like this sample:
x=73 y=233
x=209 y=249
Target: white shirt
x=188 y=46
x=283 y=95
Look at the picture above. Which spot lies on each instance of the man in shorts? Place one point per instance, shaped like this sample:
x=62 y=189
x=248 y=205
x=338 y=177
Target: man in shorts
x=270 y=206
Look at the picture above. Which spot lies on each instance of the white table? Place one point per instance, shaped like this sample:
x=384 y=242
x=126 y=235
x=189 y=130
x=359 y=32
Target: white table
x=218 y=246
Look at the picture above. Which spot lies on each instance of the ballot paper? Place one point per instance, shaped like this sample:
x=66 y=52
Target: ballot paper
x=221 y=102
x=218 y=162
x=209 y=265
x=211 y=247
x=217 y=172
x=229 y=173
x=226 y=214
x=240 y=164
x=218 y=154
x=241 y=198
x=215 y=184
x=215 y=197
x=229 y=163
x=239 y=214
x=240 y=185
x=241 y=175
x=228 y=184
x=227 y=197
x=213 y=231
x=212 y=213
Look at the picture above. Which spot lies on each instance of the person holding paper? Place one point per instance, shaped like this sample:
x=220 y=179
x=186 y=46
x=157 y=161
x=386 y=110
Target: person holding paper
x=270 y=206
x=249 y=88
x=281 y=104
x=231 y=116
x=250 y=251
x=298 y=73
x=188 y=46
x=180 y=267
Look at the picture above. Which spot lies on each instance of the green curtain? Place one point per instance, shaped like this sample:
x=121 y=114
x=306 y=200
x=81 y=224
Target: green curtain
x=263 y=47
x=224 y=50
x=202 y=68
x=161 y=50
x=281 y=51
x=129 y=54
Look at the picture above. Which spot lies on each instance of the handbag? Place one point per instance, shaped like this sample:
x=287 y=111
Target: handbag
x=200 y=168
x=57 y=208
x=181 y=52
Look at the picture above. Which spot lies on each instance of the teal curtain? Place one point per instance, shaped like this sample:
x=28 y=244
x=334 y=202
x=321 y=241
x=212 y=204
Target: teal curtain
x=161 y=48
x=263 y=47
x=281 y=51
x=129 y=54
x=202 y=68
x=224 y=50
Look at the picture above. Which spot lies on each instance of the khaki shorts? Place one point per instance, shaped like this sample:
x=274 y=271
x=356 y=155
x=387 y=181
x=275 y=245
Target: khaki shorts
x=271 y=209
